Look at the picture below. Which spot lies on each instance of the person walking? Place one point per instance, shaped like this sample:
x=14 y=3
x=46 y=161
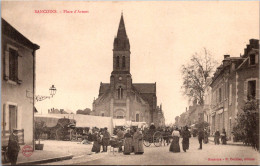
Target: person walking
x=13 y=147
x=128 y=143
x=138 y=142
x=105 y=139
x=185 y=141
x=175 y=147
x=216 y=137
x=120 y=137
x=224 y=137
x=200 y=137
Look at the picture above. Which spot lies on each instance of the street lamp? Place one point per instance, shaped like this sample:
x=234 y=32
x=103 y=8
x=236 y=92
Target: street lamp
x=52 y=91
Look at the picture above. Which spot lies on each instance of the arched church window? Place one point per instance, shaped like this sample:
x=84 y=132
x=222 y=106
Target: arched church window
x=120 y=92
x=123 y=62
x=137 y=117
x=117 y=61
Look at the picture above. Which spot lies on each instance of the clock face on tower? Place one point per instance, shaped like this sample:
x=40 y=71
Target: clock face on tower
x=120 y=78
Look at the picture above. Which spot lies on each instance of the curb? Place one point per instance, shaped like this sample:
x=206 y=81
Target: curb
x=231 y=143
x=46 y=160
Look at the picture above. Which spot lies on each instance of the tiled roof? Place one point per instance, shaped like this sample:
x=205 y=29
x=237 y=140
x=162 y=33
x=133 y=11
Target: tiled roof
x=12 y=33
x=145 y=87
x=104 y=87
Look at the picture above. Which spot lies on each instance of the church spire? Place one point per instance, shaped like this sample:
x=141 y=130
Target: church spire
x=121 y=33
x=121 y=41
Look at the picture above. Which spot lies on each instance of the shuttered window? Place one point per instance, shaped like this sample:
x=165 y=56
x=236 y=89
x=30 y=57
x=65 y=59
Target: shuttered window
x=12 y=65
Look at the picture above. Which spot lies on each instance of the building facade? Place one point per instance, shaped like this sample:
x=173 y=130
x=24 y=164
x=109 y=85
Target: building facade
x=235 y=81
x=122 y=99
x=18 y=84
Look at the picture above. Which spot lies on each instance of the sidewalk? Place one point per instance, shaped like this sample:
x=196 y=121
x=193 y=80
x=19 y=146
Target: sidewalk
x=41 y=156
x=211 y=139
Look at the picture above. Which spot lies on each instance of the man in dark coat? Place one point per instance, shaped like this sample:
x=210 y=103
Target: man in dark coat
x=152 y=127
x=185 y=141
x=105 y=139
x=200 y=137
x=13 y=147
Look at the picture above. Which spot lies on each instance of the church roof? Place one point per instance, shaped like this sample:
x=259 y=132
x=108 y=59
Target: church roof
x=104 y=87
x=145 y=87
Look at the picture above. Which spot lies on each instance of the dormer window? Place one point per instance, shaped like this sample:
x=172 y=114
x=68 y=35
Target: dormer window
x=252 y=59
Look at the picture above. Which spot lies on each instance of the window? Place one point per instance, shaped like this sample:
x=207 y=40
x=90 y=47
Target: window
x=13 y=65
x=219 y=95
x=252 y=59
x=12 y=117
x=123 y=65
x=120 y=92
x=137 y=117
x=102 y=114
x=251 y=91
x=117 y=61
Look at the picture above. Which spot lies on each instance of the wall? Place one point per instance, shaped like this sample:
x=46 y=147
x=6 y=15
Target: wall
x=16 y=93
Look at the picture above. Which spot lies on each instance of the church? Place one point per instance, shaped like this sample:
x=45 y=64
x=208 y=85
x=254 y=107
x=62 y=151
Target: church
x=122 y=99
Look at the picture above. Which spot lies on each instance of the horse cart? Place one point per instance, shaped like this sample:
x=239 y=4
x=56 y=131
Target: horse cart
x=152 y=137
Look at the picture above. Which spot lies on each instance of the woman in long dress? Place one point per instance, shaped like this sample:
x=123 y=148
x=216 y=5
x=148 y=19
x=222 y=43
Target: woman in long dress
x=224 y=137
x=128 y=143
x=175 y=146
x=138 y=142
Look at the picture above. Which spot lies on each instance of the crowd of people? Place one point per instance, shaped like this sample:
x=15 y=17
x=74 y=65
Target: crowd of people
x=131 y=139
x=203 y=135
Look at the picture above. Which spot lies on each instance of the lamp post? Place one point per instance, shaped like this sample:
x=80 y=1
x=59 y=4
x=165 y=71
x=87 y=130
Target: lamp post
x=52 y=91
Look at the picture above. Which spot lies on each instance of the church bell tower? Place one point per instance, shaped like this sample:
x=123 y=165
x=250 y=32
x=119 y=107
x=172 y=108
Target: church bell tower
x=121 y=79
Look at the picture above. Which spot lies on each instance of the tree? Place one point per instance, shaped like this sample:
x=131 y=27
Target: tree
x=246 y=128
x=201 y=125
x=195 y=74
x=39 y=129
x=86 y=111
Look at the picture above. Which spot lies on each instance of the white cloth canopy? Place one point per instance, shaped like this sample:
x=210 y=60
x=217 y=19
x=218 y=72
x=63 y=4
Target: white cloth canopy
x=119 y=122
x=88 y=120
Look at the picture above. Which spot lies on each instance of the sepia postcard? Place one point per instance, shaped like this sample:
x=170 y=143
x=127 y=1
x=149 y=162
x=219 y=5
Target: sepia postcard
x=130 y=82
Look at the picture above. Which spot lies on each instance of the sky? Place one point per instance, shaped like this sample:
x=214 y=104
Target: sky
x=76 y=54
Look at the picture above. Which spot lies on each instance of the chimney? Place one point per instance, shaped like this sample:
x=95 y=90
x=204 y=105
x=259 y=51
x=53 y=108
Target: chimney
x=254 y=43
x=226 y=56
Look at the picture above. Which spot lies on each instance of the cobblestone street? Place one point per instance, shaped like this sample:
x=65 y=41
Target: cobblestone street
x=210 y=155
